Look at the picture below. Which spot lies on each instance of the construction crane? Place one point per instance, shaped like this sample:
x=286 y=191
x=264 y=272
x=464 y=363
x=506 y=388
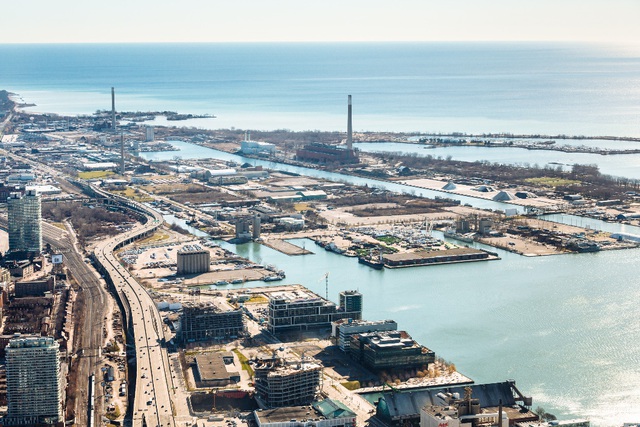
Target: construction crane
x=326 y=285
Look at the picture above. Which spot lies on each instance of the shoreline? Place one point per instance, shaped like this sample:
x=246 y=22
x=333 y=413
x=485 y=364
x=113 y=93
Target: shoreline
x=20 y=106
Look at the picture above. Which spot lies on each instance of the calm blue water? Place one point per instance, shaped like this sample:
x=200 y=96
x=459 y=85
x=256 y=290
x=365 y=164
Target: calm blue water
x=565 y=327
x=437 y=87
x=626 y=165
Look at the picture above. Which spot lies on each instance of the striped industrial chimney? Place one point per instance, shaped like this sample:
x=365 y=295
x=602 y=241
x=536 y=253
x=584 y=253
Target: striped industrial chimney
x=349 y=128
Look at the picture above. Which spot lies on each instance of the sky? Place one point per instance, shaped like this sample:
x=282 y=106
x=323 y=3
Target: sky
x=141 y=21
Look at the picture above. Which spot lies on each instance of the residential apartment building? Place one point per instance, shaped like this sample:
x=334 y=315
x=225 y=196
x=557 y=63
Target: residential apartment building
x=33 y=382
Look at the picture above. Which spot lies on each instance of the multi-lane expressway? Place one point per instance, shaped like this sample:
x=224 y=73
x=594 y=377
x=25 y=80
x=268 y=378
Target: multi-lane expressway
x=151 y=399
x=153 y=390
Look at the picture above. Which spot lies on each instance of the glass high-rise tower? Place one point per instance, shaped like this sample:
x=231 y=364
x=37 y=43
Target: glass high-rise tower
x=25 y=222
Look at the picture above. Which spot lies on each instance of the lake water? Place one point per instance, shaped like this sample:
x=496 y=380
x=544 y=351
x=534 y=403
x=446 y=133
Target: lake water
x=565 y=327
x=626 y=165
x=527 y=88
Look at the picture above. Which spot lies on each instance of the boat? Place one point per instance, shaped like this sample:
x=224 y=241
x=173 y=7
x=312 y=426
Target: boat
x=450 y=233
x=372 y=261
x=236 y=281
x=583 y=246
x=221 y=283
x=331 y=247
x=271 y=278
x=375 y=264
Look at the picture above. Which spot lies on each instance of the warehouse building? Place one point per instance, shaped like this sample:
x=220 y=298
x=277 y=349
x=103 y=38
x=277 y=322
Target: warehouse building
x=210 y=370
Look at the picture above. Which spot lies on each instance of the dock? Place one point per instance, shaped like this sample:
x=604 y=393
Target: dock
x=285 y=247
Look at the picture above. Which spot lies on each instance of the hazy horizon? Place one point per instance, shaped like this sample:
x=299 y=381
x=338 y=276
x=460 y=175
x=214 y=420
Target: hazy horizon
x=201 y=21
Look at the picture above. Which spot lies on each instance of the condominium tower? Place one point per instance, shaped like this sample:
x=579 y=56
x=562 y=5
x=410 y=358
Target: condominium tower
x=25 y=228
x=33 y=382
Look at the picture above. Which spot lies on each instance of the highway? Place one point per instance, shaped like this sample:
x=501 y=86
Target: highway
x=153 y=383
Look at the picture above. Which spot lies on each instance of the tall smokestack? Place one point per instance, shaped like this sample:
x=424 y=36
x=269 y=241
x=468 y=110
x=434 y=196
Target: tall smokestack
x=113 y=109
x=349 y=129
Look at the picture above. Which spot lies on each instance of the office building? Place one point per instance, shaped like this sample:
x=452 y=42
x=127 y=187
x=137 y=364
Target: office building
x=389 y=350
x=344 y=329
x=25 y=228
x=301 y=309
x=350 y=301
x=33 y=382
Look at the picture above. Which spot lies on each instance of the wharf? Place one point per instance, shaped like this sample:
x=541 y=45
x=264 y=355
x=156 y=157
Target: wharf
x=451 y=256
x=285 y=247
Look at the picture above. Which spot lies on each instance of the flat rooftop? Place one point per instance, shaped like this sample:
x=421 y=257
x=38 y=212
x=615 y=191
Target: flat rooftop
x=291 y=368
x=408 y=256
x=296 y=295
x=286 y=414
x=212 y=367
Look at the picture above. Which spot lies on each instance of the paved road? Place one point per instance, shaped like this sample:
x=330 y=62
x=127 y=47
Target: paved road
x=154 y=386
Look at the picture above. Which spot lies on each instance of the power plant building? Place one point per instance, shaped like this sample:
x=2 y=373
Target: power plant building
x=34 y=391
x=389 y=350
x=325 y=153
x=193 y=260
x=206 y=322
x=279 y=383
x=25 y=222
x=300 y=310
